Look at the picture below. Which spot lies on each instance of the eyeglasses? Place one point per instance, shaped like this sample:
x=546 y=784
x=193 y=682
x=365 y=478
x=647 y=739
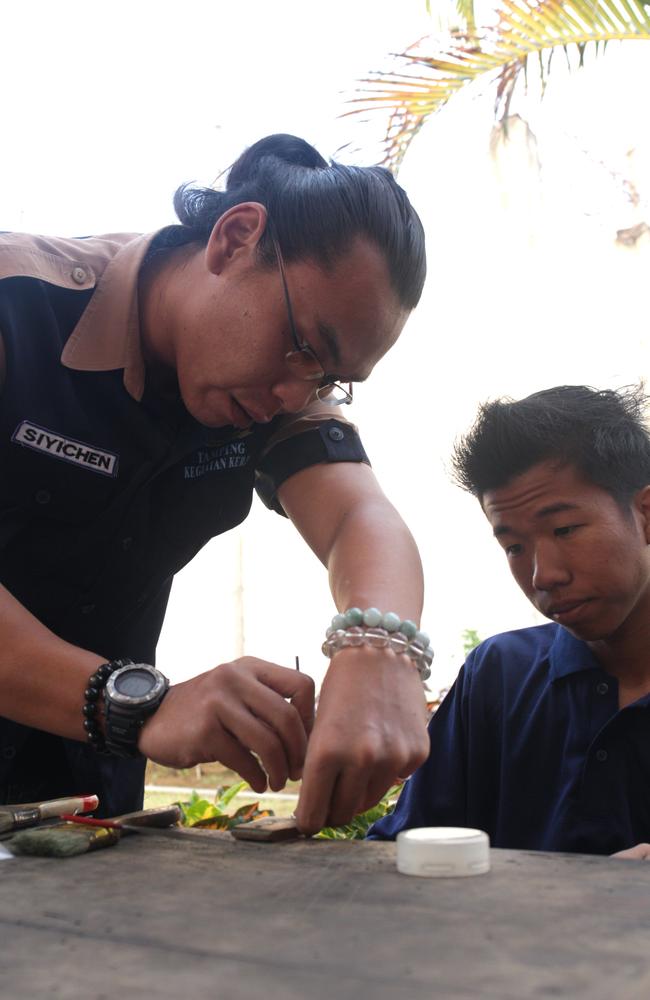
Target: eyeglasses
x=302 y=360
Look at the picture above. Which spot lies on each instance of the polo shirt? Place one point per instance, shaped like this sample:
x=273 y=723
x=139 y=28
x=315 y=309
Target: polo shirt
x=531 y=746
x=106 y=488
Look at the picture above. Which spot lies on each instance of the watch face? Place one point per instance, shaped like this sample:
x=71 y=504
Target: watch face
x=134 y=683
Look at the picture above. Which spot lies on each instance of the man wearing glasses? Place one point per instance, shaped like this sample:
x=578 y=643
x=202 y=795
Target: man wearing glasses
x=147 y=385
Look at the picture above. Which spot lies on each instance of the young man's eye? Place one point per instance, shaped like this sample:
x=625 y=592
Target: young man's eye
x=513 y=550
x=566 y=529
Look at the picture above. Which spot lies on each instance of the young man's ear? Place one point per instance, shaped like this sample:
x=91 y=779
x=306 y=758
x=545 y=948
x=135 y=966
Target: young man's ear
x=235 y=234
x=642 y=504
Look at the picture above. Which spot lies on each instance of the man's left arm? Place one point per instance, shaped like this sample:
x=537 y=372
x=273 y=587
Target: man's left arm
x=370 y=730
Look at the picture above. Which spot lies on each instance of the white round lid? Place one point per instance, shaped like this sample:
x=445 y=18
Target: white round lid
x=443 y=851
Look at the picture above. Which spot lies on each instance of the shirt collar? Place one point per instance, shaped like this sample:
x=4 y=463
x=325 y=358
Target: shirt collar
x=107 y=337
x=569 y=655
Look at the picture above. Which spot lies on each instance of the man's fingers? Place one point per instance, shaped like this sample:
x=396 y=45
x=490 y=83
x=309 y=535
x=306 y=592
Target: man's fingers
x=640 y=852
x=281 y=719
x=239 y=759
x=263 y=740
x=347 y=797
x=375 y=791
x=318 y=783
x=291 y=684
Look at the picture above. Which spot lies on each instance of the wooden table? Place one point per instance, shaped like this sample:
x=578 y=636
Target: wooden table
x=207 y=916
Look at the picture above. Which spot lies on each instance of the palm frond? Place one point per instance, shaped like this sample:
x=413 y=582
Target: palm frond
x=466 y=10
x=435 y=68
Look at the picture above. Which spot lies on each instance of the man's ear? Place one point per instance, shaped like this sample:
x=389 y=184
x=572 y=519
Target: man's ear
x=642 y=504
x=235 y=234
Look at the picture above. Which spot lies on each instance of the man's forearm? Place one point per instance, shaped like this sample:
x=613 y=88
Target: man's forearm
x=42 y=678
x=374 y=561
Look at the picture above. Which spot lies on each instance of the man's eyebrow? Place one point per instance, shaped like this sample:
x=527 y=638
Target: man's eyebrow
x=553 y=508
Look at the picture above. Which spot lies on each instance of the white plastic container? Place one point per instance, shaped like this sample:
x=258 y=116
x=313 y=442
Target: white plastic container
x=443 y=852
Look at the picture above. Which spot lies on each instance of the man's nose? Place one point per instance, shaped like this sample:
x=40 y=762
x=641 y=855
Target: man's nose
x=549 y=568
x=294 y=394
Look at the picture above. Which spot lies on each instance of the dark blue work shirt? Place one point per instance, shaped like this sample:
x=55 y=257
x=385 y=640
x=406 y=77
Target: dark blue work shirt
x=530 y=746
x=107 y=487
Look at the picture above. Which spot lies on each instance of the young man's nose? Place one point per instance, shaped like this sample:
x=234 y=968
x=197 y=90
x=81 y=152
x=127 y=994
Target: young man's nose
x=549 y=569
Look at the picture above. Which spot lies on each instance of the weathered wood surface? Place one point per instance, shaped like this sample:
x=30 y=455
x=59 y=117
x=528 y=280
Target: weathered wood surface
x=209 y=916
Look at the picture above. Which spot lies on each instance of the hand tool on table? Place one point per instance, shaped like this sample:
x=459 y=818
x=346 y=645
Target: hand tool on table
x=80 y=834
x=269 y=829
x=14 y=817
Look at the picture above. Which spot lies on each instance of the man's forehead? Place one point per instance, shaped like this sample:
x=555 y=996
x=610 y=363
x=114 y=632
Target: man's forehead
x=545 y=489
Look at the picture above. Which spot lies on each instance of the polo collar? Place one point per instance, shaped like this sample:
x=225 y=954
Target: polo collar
x=569 y=655
x=107 y=337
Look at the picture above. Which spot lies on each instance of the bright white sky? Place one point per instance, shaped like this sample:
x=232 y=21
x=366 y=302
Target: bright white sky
x=107 y=108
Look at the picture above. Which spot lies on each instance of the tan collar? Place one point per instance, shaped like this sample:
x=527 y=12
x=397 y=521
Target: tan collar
x=107 y=336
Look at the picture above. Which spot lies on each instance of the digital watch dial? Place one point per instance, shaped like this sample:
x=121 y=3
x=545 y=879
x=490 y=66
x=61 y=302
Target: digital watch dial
x=132 y=695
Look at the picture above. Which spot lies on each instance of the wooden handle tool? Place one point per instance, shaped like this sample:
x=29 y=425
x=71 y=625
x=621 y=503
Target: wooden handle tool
x=269 y=829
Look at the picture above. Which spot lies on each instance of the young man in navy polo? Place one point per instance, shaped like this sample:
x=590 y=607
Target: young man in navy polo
x=544 y=739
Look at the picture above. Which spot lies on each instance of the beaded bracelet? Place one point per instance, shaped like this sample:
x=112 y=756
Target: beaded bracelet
x=355 y=627
x=96 y=684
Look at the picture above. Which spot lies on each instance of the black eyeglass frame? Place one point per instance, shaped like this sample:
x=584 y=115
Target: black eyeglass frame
x=303 y=348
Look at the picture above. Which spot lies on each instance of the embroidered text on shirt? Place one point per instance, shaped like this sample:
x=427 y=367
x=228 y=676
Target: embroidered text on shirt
x=69 y=449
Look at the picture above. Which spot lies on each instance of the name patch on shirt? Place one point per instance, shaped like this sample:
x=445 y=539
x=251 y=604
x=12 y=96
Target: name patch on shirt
x=69 y=449
x=227 y=456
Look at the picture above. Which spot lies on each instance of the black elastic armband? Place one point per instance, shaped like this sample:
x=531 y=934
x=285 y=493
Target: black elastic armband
x=331 y=441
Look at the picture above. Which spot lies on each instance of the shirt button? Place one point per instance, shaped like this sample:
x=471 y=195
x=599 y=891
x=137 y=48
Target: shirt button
x=127 y=543
x=8 y=753
x=78 y=275
x=335 y=434
x=601 y=755
x=602 y=688
x=87 y=609
x=42 y=496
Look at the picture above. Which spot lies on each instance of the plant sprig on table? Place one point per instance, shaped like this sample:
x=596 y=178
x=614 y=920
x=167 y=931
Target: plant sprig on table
x=202 y=813
x=358 y=828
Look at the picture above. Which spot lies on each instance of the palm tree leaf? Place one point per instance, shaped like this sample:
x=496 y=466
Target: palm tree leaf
x=429 y=73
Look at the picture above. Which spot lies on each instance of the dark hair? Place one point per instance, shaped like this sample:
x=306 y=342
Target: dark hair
x=315 y=208
x=601 y=433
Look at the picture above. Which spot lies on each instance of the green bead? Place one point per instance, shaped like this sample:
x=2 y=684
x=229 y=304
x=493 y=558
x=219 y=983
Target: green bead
x=338 y=621
x=390 y=621
x=423 y=639
x=353 y=617
x=372 y=617
x=408 y=628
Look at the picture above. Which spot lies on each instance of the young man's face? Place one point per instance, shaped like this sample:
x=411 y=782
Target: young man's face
x=581 y=559
x=230 y=357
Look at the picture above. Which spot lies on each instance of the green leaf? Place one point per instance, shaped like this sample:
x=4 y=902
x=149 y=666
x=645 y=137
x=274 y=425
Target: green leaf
x=226 y=795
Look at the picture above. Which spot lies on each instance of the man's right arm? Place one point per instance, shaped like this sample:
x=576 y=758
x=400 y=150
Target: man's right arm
x=239 y=713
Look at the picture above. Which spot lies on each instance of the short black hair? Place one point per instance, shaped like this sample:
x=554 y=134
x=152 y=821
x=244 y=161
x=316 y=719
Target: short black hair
x=316 y=210
x=600 y=432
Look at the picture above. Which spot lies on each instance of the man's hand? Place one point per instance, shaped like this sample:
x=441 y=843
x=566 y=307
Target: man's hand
x=639 y=853
x=239 y=711
x=370 y=733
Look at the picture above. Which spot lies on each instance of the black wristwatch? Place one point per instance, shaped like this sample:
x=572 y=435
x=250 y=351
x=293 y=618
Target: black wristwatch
x=132 y=694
